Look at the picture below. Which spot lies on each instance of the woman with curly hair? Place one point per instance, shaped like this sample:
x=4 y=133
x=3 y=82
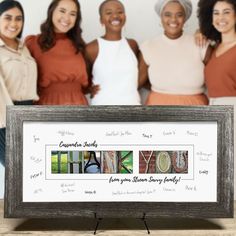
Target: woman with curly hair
x=218 y=22
x=58 y=51
x=172 y=62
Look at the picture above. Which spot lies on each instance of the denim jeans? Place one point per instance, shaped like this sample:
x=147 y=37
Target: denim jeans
x=2 y=146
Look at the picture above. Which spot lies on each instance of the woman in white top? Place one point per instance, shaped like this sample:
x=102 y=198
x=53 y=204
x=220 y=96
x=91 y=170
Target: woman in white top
x=18 y=74
x=172 y=61
x=112 y=59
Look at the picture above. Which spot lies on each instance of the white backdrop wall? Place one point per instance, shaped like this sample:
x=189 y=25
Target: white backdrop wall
x=142 y=21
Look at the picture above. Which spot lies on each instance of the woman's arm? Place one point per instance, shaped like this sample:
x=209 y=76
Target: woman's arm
x=208 y=54
x=143 y=71
x=134 y=46
x=5 y=100
x=91 y=53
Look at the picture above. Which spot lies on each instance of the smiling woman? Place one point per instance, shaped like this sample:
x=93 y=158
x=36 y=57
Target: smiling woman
x=58 y=51
x=112 y=60
x=17 y=68
x=64 y=24
x=218 y=22
x=11 y=26
x=172 y=62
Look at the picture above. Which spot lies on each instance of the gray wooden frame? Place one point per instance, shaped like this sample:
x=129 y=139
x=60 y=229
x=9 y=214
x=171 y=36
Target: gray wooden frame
x=15 y=207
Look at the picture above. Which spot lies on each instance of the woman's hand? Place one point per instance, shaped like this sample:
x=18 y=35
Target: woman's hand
x=94 y=90
x=200 y=39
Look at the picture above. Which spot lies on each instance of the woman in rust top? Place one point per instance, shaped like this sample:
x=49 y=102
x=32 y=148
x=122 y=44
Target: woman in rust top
x=58 y=51
x=218 y=23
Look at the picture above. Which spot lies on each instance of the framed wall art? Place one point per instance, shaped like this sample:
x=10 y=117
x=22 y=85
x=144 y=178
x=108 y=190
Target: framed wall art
x=116 y=161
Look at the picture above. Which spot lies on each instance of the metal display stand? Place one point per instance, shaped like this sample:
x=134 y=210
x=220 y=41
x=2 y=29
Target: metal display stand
x=98 y=220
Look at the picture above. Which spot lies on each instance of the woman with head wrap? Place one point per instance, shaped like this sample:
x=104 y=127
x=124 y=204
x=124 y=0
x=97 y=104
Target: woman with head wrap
x=218 y=23
x=173 y=62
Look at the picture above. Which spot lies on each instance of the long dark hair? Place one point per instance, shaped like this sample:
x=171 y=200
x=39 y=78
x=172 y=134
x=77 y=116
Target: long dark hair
x=205 y=11
x=9 y=4
x=47 y=37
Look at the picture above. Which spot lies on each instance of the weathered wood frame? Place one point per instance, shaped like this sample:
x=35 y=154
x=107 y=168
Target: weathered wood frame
x=15 y=207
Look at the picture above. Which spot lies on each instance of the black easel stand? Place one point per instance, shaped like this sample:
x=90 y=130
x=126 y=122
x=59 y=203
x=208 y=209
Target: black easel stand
x=98 y=220
x=145 y=223
x=97 y=223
